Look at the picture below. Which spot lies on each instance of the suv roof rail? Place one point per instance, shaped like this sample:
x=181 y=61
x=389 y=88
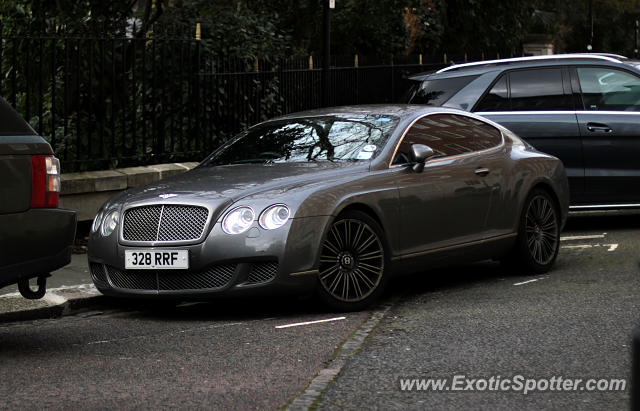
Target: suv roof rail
x=598 y=56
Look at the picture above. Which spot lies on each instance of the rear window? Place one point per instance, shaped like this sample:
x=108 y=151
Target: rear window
x=11 y=124
x=437 y=92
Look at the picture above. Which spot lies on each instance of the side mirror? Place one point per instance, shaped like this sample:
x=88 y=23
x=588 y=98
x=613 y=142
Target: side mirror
x=419 y=154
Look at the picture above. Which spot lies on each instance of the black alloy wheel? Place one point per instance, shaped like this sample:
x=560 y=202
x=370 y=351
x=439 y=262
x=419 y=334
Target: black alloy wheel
x=541 y=226
x=352 y=262
x=539 y=233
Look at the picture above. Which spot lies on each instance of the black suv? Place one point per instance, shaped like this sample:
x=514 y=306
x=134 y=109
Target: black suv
x=581 y=108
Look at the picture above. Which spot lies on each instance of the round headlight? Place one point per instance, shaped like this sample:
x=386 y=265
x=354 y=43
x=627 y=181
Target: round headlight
x=238 y=220
x=97 y=221
x=274 y=216
x=110 y=222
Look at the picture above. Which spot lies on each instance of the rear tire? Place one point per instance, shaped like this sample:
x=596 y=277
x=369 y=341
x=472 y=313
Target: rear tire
x=353 y=263
x=538 y=240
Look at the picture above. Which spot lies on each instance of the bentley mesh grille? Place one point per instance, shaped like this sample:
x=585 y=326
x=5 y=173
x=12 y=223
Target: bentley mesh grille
x=97 y=272
x=132 y=280
x=216 y=276
x=262 y=272
x=164 y=223
x=212 y=278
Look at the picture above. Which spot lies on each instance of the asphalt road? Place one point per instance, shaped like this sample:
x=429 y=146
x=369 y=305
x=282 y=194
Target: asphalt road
x=216 y=356
x=478 y=321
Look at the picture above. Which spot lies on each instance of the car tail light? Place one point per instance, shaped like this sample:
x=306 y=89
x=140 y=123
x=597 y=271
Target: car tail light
x=45 y=181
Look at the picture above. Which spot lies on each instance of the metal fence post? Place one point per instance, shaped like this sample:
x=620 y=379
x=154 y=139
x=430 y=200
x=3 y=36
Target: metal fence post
x=326 y=52
x=635 y=373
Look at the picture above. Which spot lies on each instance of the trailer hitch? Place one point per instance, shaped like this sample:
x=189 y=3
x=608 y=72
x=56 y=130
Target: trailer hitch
x=28 y=293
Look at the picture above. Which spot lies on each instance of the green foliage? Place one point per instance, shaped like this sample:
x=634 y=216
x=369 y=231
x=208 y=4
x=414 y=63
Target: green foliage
x=369 y=27
x=64 y=81
x=613 y=25
x=231 y=28
x=473 y=26
x=429 y=14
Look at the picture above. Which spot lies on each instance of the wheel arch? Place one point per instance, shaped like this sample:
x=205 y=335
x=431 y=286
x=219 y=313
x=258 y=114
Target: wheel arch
x=364 y=208
x=546 y=186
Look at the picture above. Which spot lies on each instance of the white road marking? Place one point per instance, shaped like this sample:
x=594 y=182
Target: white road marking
x=610 y=247
x=529 y=281
x=311 y=322
x=579 y=246
x=582 y=237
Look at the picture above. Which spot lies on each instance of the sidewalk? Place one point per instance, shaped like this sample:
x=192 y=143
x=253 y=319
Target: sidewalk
x=69 y=288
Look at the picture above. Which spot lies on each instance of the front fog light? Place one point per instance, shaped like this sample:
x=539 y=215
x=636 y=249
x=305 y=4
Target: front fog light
x=110 y=222
x=238 y=221
x=274 y=216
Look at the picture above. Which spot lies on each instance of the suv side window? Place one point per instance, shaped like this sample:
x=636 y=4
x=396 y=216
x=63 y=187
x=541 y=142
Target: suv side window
x=538 y=90
x=604 y=88
x=527 y=90
x=498 y=97
x=448 y=135
x=437 y=92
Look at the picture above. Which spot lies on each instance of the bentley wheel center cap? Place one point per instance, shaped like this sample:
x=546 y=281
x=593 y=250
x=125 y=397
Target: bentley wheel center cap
x=347 y=261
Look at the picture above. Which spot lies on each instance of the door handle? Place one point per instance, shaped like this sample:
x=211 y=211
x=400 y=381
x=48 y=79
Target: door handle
x=598 y=127
x=482 y=171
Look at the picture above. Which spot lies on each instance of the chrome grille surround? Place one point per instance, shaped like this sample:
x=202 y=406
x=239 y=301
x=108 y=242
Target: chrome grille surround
x=164 y=223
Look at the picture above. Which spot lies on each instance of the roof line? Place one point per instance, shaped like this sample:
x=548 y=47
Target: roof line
x=608 y=57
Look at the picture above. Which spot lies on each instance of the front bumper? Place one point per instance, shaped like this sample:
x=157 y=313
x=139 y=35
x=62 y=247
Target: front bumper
x=34 y=243
x=281 y=261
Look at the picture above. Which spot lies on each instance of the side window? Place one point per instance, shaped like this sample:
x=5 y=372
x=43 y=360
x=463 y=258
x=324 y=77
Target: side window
x=437 y=92
x=497 y=99
x=609 y=89
x=448 y=135
x=539 y=89
x=485 y=136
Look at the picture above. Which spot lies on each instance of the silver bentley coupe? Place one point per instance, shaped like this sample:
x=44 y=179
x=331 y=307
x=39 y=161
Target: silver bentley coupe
x=335 y=201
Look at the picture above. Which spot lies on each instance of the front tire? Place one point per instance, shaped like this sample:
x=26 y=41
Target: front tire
x=538 y=238
x=353 y=263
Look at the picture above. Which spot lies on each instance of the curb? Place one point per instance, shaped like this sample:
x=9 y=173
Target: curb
x=308 y=399
x=71 y=306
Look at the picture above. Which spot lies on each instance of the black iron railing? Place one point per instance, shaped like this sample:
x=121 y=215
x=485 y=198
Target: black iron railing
x=116 y=101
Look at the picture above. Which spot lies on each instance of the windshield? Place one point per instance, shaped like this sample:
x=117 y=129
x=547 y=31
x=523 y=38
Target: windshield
x=309 y=139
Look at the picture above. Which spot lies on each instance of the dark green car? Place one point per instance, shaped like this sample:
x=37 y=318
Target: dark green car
x=35 y=235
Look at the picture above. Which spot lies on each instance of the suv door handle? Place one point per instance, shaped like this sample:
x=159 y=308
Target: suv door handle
x=598 y=127
x=482 y=171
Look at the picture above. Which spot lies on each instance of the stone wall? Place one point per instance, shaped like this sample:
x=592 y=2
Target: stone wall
x=86 y=192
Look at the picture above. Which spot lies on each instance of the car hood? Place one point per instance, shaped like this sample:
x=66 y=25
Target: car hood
x=227 y=184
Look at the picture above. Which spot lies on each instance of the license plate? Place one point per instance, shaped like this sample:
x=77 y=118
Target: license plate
x=156 y=259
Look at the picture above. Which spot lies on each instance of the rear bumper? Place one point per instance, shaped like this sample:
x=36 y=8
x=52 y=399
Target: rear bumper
x=34 y=243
